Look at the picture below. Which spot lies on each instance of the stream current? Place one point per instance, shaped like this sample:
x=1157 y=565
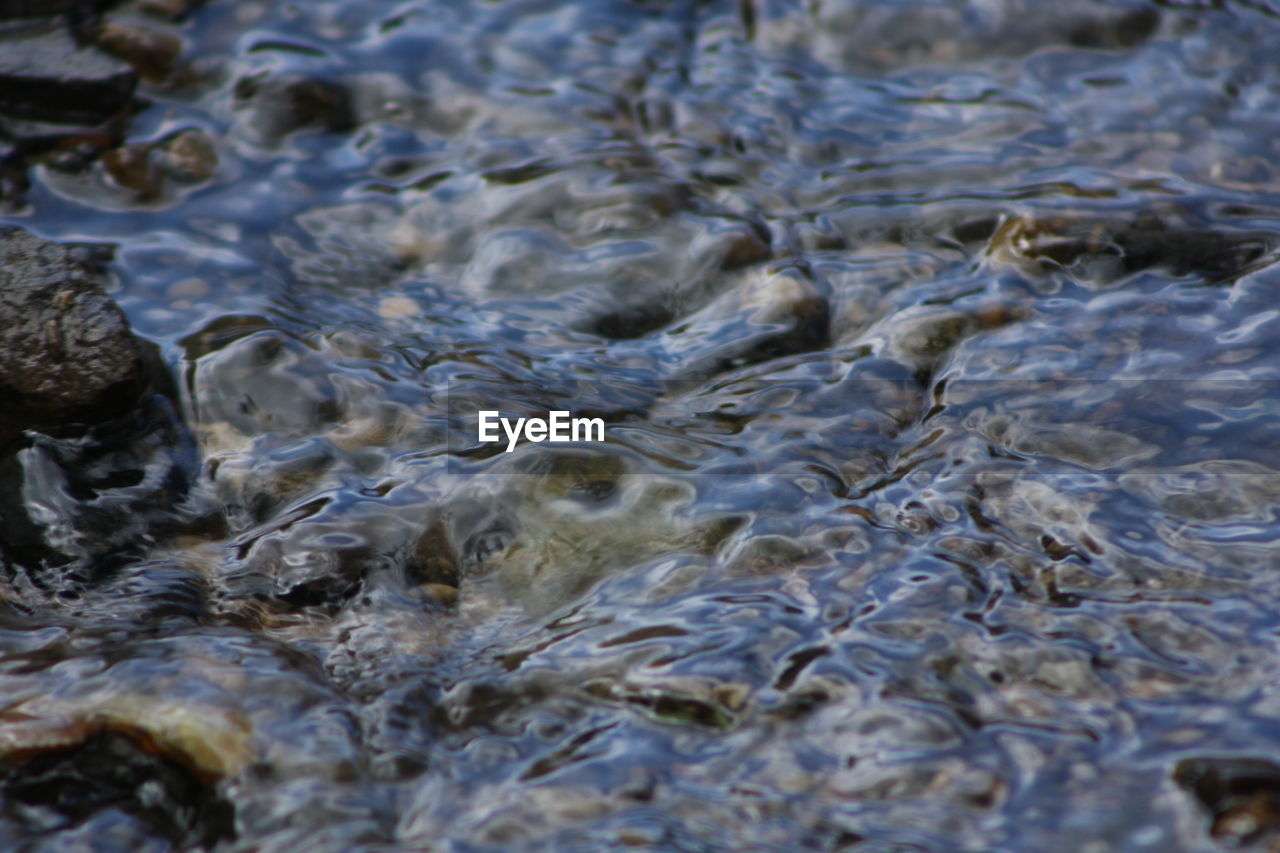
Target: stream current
x=936 y=345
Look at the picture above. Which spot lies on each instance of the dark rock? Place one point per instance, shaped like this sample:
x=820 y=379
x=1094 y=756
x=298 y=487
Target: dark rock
x=134 y=168
x=59 y=148
x=188 y=155
x=279 y=106
x=46 y=76
x=13 y=9
x=1241 y=794
x=82 y=505
x=81 y=17
x=145 y=168
x=1117 y=248
x=156 y=802
x=66 y=351
x=1114 y=29
x=16 y=9
x=153 y=53
x=767 y=315
x=319 y=555
x=171 y=9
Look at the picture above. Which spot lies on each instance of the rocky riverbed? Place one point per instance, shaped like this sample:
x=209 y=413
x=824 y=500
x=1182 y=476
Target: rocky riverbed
x=935 y=346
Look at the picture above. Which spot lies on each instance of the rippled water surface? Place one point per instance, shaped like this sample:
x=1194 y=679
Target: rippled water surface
x=937 y=347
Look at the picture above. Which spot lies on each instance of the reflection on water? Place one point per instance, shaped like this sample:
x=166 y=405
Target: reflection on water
x=937 y=349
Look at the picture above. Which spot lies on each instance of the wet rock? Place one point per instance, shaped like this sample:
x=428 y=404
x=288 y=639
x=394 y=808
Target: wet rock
x=145 y=168
x=110 y=788
x=560 y=522
x=921 y=337
x=83 y=504
x=132 y=167
x=66 y=350
x=1219 y=490
x=879 y=36
x=62 y=149
x=23 y=9
x=90 y=442
x=188 y=155
x=185 y=694
x=153 y=53
x=169 y=591
x=1242 y=796
x=624 y=244
x=15 y=9
x=768 y=314
x=435 y=559
x=225 y=710
x=320 y=556
x=173 y=9
x=45 y=76
x=268 y=382
x=278 y=106
x=1101 y=251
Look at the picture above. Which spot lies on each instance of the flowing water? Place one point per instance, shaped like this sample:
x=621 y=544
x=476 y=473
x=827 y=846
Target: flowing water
x=936 y=346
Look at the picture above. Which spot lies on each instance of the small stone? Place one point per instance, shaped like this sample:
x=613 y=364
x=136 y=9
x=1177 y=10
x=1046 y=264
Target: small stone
x=397 y=307
x=134 y=168
x=172 y=9
x=153 y=53
x=16 y=9
x=438 y=593
x=189 y=156
x=359 y=433
x=188 y=288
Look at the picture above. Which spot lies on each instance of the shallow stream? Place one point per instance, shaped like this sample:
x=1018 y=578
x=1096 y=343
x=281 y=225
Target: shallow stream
x=936 y=344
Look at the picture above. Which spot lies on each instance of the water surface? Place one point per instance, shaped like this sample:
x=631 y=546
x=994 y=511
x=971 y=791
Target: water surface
x=937 y=347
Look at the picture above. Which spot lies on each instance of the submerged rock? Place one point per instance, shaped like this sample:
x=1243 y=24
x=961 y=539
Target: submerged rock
x=278 y=106
x=215 y=712
x=109 y=789
x=1242 y=795
x=1099 y=250
x=557 y=523
x=91 y=445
